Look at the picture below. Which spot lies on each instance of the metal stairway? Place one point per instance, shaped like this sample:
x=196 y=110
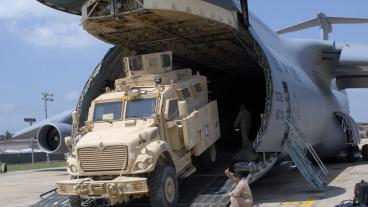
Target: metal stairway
x=301 y=152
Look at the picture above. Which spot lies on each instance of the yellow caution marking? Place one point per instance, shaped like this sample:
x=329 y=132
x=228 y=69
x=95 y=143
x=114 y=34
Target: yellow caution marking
x=308 y=203
x=291 y=203
x=337 y=178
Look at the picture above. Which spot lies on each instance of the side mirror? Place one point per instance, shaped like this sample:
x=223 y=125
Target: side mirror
x=69 y=142
x=75 y=118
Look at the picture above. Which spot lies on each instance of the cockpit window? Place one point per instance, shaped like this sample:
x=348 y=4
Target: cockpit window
x=108 y=111
x=141 y=108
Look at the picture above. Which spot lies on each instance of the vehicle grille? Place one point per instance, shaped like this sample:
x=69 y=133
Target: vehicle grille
x=111 y=158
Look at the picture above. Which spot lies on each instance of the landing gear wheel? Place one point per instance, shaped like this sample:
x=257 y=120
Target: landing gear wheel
x=163 y=187
x=4 y=168
x=207 y=160
x=365 y=152
x=75 y=201
x=350 y=153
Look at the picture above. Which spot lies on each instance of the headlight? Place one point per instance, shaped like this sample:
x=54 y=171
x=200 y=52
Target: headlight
x=74 y=169
x=149 y=160
x=141 y=165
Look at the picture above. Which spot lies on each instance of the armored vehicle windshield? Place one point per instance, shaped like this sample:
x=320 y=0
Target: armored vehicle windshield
x=140 y=108
x=108 y=111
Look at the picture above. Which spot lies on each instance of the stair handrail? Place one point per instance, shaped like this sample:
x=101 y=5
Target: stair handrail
x=292 y=124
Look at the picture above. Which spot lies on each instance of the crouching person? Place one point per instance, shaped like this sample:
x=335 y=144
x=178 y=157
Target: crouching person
x=241 y=196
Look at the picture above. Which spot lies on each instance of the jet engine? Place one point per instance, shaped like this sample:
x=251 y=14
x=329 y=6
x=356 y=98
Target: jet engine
x=51 y=136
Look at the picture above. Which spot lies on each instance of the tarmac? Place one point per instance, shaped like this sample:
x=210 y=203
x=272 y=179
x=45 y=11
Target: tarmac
x=283 y=186
x=23 y=188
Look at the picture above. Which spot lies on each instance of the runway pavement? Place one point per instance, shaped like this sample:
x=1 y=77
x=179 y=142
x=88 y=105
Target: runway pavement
x=283 y=186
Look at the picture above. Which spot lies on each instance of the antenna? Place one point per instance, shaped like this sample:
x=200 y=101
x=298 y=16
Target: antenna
x=324 y=22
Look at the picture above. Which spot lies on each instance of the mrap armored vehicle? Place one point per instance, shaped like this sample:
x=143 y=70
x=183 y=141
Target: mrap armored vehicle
x=144 y=133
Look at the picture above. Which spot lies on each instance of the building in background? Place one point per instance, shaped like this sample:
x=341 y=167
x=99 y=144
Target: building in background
x=363 y=130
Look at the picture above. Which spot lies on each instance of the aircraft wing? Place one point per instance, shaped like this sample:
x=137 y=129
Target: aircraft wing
x=354 y=55
x=352 y=70
x=65 y=117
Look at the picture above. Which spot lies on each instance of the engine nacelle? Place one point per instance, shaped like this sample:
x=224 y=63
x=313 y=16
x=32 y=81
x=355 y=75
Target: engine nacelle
x=50 y=137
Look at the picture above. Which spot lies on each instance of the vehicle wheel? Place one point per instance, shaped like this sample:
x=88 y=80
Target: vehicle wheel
x=75 y=201
x=365 y=152
x=163 y=187
x=207 y=159
x=350 y=153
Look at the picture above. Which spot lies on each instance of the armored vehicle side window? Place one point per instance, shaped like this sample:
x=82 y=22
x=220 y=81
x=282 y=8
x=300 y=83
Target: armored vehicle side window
x=135 y=63
x=198 y=88
x=166 y=60
x=185 y=93
x=152 y=62
x=141 y=108
x=108 y=111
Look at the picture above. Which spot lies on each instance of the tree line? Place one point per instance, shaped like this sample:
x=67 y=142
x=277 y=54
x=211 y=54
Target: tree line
x=7 y=135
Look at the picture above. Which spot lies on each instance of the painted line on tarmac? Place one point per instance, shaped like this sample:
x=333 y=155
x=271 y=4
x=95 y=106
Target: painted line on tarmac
x=293 y=203
x=308 y=203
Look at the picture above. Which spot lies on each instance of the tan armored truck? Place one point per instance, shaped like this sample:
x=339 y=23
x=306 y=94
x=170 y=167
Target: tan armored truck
x=143 y=134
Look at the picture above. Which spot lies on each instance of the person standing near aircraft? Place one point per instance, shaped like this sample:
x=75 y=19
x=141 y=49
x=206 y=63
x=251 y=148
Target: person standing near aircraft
x=241 y=196
x=244 y=121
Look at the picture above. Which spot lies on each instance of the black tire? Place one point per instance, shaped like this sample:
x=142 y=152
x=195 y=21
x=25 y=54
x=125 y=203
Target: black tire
x=163 y=186
x=207 y=160
x=365 y=152
x=75 y=201
x=350 y=153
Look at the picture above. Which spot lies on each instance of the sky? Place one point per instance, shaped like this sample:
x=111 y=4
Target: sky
x=42 y=49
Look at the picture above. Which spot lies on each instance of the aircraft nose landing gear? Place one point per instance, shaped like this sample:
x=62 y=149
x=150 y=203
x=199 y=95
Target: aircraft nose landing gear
x=352 y=153
x=365 y=152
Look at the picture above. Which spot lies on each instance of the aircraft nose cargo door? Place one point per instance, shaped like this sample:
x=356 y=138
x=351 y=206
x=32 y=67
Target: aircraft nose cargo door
x=272 y=132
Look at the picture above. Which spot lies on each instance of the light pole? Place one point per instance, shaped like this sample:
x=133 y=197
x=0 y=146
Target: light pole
x=31 y=121
x=47 y=97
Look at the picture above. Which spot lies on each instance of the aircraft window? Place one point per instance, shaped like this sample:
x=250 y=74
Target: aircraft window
x=141 y=108
x=166 y=60
x=136 y=63
x=108 y=111
x=152 y=62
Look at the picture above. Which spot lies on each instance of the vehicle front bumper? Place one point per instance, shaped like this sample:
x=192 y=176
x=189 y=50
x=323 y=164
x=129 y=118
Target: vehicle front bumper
x=119 y=186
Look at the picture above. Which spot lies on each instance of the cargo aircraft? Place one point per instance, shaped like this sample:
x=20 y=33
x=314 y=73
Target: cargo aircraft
x=294 y=88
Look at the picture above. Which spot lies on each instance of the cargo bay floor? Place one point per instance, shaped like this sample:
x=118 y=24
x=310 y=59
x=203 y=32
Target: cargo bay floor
x=283 y=186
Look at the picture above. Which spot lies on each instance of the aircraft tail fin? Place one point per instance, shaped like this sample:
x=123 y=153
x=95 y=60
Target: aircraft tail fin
x=324 y=22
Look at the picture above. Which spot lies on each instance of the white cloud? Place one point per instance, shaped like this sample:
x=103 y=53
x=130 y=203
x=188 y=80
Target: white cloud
x=58 y=34
x=42 y=26
x=72 y=95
